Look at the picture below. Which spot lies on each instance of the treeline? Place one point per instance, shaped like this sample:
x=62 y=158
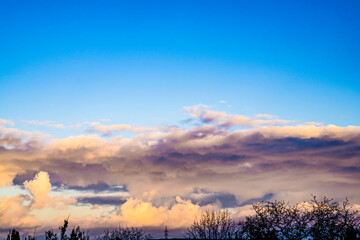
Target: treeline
x=323 y=219
x=121 y=233
x=320 y=220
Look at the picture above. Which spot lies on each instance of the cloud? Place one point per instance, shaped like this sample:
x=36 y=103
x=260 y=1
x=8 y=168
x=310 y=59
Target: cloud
x=203 y=113
x=14 y=214
x=229 y=168
x=46 y=123
x=6 y=122
x=101 y=200
x=142 y=213
x=309 y=131
x=266 y=197
x=109 y=129
x=39 y=188
x=7 y=172
x=16 y=211
x=12 y=138
x=265 y=116
x=20 y=178
x=54 y=124
x=204 y=197
x=224 y=119
x=100 y=187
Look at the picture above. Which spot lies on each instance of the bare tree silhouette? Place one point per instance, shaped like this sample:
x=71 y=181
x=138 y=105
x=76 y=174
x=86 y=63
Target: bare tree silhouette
x=213 y=225
x=330 y=220
x=125 y=234
x=278 y=220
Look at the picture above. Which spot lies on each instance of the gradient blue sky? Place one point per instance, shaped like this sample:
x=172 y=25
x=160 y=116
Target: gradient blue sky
x=141 y=62
x=169 y=98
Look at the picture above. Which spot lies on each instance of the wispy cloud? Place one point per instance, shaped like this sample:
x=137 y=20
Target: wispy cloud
x=107 y=130
x=223 y=119
x=54 y=124
x=6 y=122
x=45 y=123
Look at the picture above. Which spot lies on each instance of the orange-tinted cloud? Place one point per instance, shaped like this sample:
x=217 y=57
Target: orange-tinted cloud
x=279 y=159
x=6 y=122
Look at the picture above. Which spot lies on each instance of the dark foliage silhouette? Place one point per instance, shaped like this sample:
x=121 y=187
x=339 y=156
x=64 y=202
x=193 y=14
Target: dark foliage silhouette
x=13 y=235
x=50 y=235
x=76 y=233
x=166 y=233
x=29 y=237
x=320 y=220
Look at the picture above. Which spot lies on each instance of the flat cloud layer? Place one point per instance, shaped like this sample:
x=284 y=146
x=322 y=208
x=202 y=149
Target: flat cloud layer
x=168 y=175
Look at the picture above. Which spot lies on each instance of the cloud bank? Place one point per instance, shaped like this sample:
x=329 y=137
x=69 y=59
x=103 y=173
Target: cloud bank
x=168 y=175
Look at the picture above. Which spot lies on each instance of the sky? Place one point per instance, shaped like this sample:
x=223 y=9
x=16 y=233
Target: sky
x=145 y=113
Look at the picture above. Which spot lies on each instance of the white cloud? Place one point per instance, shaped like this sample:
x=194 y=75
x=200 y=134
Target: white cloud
x=6 y=122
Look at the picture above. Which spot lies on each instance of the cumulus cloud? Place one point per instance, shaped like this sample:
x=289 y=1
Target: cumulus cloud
x=17 y=212
x=143 y=213
x=203 y=165
x=14 y=213
x=39 y=188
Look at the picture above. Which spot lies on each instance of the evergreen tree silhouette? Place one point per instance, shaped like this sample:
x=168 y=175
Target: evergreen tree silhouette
x=166 y=233
x=13 y=235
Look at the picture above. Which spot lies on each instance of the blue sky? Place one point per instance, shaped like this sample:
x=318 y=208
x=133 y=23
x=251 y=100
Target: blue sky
x=141 y=62
x=87 y=89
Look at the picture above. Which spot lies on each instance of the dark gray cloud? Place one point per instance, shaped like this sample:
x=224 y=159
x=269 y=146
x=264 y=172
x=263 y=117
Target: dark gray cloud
x=204 y=197
x=100 y=187
x=22 y=177
x=102 y=200
x=266 y=197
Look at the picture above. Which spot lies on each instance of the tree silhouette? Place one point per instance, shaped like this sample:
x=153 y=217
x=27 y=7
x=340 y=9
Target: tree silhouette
x=125 y=234
x=166 y=233
x=50 y=235
x=275 y=220
x=29 y=237
x=13 y=235
x=76 y=233
x=323 y=219
x=213 y=225
x=63 y=229
x=330 y=220
x=278 y=220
